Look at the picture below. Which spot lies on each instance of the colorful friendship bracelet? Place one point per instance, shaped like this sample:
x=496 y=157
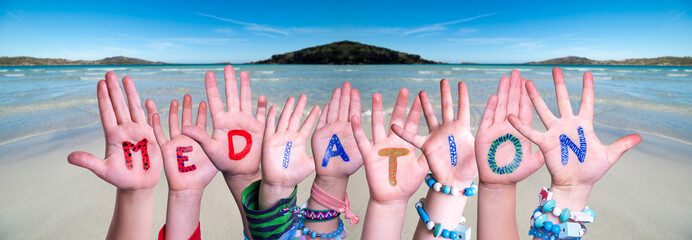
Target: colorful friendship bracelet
x=304 y=231
x=312 y=215
x=454 y=191
x=461 y=232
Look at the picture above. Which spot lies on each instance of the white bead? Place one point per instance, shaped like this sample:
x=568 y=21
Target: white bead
x=430 y=225
x=437 y=186
x=298 y=233
x=419 y=204
x=463 y=220
x=557 y=211
x=536 y=214
x=455 y=191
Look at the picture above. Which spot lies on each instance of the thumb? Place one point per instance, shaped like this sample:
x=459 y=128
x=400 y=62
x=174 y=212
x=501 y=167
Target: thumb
x=88 y=161
x=198 y=134
x=621 y=146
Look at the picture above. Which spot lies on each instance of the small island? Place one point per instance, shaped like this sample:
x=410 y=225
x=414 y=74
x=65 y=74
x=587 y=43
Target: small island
x=659 y=61
x=31 y=61
x=345 y=53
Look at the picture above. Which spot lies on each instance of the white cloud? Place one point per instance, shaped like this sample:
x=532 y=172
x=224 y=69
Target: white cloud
x=442 y=26
x=249 y=26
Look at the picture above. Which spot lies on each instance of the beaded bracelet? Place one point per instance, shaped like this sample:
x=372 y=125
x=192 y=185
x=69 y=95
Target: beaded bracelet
x=437 y=186
x=312 y=215
x=337 y=234
x=461 y=232
x=547 y=204
x=544 y=229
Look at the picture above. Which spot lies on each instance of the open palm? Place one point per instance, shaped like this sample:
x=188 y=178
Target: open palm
x=597 y=159
x=409 y=170
x=284 y=160
x=197 y=171
x=122 y=126
x=336 y=120
x=238 y=117
x=511 y=99
x=449 y=146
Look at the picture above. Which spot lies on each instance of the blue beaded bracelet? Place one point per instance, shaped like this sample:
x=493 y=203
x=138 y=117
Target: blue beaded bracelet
x=544 y=229
x=437 y=186
x=304 y=231
x=547 y=204
x=461 y=232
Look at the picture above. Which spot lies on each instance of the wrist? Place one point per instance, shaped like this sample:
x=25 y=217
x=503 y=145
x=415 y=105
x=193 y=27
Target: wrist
x=241 y=181
x=188 y=195
x=136 y=193
x=573 y=198
x=334 y=186
x=496 y=187
x=270 y=194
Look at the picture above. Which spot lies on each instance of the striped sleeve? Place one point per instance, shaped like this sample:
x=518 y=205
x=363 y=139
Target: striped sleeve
x=268 y=223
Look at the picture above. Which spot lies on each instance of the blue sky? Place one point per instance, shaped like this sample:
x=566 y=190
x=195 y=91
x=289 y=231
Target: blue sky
x=243 y=31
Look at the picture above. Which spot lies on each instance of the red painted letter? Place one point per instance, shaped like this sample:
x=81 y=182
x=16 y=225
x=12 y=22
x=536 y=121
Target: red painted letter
x=182 y=159
x=248 y=143
x=141 y=146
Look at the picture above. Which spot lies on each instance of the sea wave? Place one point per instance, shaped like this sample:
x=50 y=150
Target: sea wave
x=261 y=72
x=14 y=75
x=676 y=75
x=3 y=70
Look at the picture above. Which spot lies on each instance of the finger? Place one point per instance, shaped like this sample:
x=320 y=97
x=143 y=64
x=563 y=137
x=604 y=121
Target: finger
x=447 y=102
x=202 y=115
x=619 y=147
x=526 y=130
x=355 y=104
x=200 y=135
x=245 y=93
x=309 y=122
x=187 y=110
x=133 y=101
x=358 y=133
x=88 y=161
x=409 y=137
x=345 y=100
x=269 y=127
x=108 y=119
x=377 y=122
x=213 y=97
x=414 y=116
x=514 y=97
x=294 y=122
x=231 y=88
x=543 y=111
x=151 y=109
x=117 y=99
x=489 y=113
x=587 y=98
x=399 y=112
x=261 y=114
x=158 y=132
x=563 y=104
x=323 y=117
x=173 y=127
x=430 y=117
x=285 y=115
x=333 y=113
x=525 y=107
x=464 y=111
x=502 y=92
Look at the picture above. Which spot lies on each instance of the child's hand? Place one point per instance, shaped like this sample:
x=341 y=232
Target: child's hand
x=133 y=157
x=186 y=165
x=234 y=122
x=392 y=169
x=284 y=160
x=335 y=121
x=456 y=168
x=511 y=157
x=570 y=172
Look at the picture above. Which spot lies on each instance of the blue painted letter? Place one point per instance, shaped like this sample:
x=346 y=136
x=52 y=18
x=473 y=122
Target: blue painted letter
x=452 y=150
x=579 y=151
x=287 y=153
x=331 y=152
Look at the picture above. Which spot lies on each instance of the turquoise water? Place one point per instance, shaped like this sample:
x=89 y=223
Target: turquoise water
x=37 y=100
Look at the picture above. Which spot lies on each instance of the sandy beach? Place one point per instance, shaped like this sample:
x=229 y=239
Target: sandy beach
x=644 y=196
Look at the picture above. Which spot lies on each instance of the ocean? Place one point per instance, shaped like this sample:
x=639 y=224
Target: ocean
x=39 y=100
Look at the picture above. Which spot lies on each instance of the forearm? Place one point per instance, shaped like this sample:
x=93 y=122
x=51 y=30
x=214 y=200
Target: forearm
x=335 y=187
x=132 y=217
x=497 y=210
x=441 y=208
x=384 y=220
x=236 y=184
x=182 y=214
